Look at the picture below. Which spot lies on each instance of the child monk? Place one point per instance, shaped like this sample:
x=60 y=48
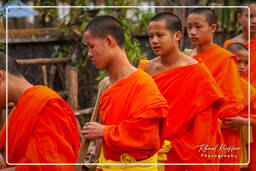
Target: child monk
x=242 y=120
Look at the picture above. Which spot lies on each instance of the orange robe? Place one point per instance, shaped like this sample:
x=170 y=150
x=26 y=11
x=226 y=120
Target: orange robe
x=193 y=97
x=223 y=66
x=132 y=110
x=252 y=63
x=227 y=43
x=244 y=113
x=42 y=128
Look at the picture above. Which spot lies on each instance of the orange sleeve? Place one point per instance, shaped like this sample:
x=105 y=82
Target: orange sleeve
x=139 y=134
x=227 y=43
x=229 y=81
x=142 y=64
x=53 y=141
x=199 y=133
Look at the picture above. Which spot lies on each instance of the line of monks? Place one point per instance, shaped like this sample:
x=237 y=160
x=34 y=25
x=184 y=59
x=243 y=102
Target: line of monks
x=175 y=109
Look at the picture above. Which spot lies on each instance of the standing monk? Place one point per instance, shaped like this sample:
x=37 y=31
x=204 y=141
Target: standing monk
x=192 y=94
x=131 y=109
x=42 y=128
x=201 y=25
x=243 y=18
x=236 y=122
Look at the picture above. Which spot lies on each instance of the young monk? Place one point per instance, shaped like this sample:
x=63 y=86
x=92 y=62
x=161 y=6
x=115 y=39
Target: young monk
x=42 y=128
x=242 y=121
x=243 y=37
x=201 y=25
x=131 y=109
x=192 y=94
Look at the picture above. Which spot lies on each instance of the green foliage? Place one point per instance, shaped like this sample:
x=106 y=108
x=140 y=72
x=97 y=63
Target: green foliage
x=74 y=23
x=2 y=46
x=227 y=16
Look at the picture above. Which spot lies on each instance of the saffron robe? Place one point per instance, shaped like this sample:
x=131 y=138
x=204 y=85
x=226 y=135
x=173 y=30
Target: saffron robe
x=194 y=99
x=132 y=110
x=42 y=128
x=222 y=64
x=244 y=113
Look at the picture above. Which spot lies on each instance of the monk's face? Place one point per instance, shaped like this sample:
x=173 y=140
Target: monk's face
x=199 y=30
x=243 y=18
x=242 y=60
x=97 y=50
x=161 y=40
x=2 y=89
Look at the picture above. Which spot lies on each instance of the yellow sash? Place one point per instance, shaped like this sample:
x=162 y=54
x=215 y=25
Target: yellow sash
x=127 y=159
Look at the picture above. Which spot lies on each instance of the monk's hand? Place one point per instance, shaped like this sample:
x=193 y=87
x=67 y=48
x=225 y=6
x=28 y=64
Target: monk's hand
x=235 y=122
x=93 y=130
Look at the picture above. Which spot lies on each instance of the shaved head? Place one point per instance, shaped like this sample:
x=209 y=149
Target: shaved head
x=207 y=12
x=12 y=65
x=246 y=3
x=173 y=23
x=101 y=26
x=234 y=47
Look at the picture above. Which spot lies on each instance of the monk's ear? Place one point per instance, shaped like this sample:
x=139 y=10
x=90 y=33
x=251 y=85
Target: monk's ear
x=109 y=41
x=239 y=17
x=177 y=35
x=213 y=27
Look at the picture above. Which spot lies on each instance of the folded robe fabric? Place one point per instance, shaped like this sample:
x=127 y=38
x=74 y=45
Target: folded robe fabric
x=132 y=110
x=194 y=99
x=42 y=128
x=244 y=113
x=222 y=65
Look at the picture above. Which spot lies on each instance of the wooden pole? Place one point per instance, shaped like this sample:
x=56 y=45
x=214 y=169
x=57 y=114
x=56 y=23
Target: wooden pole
x=72 y=86
x=45 y=79
x=52 y=76
x=43 y=61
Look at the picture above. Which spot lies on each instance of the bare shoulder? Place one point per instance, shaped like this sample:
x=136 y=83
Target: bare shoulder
x=238 y=39
x=152 y=65
x=188 y=60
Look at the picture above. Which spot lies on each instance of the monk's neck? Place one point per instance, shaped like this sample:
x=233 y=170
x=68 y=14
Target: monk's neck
x=253 y=35
x=244 y=36
x=120 y=68
x=204 y=47
x=173 y=57
x=17 y=87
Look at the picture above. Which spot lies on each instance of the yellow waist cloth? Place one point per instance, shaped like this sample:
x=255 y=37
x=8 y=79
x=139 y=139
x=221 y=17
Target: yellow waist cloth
x=128 y=159
x=244 y=141
x=162 y=154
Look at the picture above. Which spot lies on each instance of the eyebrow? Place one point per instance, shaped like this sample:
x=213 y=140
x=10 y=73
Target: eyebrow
x=156 y=32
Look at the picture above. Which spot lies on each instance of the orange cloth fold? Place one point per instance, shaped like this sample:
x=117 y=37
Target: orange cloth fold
x=222 y=65
x=244 y=113
x=193 y=97
x=227 y=43
x=252 y=63
x=133 y=110
x=42 y=128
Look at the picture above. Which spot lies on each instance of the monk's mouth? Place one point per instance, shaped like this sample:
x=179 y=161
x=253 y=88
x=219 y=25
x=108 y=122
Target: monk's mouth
x=253 y=27
x=194 y=39
x=156 y=48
